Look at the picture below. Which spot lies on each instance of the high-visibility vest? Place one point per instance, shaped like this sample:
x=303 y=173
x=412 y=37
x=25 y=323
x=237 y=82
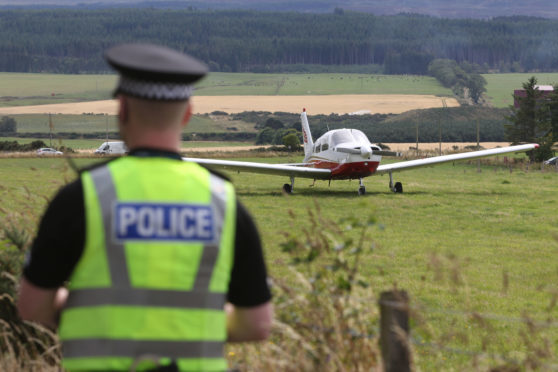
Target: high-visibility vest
x=155 y=269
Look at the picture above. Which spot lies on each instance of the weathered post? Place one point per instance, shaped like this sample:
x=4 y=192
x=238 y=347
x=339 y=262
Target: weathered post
x=394 y=331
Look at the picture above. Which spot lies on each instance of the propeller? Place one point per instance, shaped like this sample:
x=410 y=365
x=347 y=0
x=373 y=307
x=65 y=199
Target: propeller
x=387 y=153
x=363 y=151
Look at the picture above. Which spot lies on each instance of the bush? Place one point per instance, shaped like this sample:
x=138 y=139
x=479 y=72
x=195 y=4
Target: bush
x=13 y=146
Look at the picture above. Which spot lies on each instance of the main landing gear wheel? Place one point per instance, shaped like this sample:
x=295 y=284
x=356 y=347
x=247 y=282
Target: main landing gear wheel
x=397 y=188
x=287 y=188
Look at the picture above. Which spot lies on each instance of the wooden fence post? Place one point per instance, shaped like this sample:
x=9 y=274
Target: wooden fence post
x=394 y=331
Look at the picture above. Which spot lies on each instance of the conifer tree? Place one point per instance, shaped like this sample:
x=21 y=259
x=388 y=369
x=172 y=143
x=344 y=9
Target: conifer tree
x=530 y=121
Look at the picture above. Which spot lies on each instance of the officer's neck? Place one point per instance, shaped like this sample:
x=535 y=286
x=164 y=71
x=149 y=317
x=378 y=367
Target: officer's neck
x=162 y=140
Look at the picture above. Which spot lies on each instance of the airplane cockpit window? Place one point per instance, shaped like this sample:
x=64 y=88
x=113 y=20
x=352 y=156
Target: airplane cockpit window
x=317 y=148
x=324 y=147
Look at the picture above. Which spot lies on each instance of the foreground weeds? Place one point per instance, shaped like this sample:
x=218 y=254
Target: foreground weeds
x=326 y=316
x=25 y=346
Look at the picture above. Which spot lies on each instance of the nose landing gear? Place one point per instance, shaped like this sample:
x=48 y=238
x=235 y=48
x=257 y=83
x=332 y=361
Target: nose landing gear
x=361 y=189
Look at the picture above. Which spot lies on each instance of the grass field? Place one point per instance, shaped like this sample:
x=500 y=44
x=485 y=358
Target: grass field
x=500 y=87
x=460 y=242
x=33 y=89
x=218 y=84
x=85 y=123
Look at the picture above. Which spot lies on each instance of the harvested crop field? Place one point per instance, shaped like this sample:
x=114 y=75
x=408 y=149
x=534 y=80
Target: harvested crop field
x=326 y=104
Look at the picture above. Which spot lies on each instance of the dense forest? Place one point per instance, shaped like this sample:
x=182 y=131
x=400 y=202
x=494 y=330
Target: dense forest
x=71 y=41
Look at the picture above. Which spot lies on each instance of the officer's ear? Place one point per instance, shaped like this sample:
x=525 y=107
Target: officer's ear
x=123 y=109
x=187 y=115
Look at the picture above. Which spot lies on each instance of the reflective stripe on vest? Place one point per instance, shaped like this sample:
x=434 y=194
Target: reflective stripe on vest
x=121 y=293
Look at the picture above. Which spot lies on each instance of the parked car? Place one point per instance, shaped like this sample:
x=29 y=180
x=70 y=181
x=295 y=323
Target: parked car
x=551 y=161
x=48 y=151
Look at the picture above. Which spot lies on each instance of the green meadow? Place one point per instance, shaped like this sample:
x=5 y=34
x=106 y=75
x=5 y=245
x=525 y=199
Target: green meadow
x=477 y=252
x=91 y=144
x=317 y=84
x=32 y=89
x=500 y=87
x=87 y=123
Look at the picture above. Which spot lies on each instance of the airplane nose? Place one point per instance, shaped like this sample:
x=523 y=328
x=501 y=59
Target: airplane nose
x=365 y=151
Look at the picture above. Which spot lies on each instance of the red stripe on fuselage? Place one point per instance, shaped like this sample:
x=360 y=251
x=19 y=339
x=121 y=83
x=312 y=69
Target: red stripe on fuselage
x=347 y=170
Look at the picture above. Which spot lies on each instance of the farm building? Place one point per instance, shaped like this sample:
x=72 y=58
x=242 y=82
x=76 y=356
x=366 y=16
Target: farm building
x=545 y=89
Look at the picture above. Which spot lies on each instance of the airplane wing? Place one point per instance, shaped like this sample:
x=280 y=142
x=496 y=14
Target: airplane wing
x=289 y=170
x=405 y=165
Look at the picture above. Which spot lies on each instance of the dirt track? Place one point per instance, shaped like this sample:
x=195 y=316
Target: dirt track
x=339 y=104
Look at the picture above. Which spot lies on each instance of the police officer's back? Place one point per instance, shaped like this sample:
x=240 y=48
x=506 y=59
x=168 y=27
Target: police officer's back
x=153 y=247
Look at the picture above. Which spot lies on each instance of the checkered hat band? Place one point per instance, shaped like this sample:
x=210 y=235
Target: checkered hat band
x=155 y=90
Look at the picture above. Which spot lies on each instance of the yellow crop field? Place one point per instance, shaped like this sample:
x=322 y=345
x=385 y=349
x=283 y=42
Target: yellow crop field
x=326 y=104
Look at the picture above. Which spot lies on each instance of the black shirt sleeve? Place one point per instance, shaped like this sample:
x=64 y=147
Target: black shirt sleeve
x=248 y=286
x=60 y=240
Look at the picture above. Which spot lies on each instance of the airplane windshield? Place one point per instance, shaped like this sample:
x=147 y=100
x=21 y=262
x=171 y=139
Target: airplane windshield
x=360 y=137
x=349 y=136
x=341 y=136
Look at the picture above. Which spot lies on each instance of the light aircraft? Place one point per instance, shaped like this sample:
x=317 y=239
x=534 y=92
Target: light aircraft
x=342 y=154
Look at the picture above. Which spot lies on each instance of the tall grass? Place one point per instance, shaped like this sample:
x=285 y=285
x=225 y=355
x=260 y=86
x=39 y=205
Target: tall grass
x=326 y=318
x=24 y=346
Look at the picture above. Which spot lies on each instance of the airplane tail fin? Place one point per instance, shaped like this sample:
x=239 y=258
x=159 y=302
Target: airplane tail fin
x=306 y=135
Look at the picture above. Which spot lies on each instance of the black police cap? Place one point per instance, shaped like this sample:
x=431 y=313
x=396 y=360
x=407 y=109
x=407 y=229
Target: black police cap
x=154 y=72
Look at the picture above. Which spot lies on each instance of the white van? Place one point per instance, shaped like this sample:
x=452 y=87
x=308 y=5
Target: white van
x=117 y=148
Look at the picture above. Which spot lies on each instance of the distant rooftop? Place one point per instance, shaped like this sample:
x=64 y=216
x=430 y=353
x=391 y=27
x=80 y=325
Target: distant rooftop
x=544 y=87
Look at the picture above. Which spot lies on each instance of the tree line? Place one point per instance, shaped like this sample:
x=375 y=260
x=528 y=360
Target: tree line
x=455 y=124
x=71 y=41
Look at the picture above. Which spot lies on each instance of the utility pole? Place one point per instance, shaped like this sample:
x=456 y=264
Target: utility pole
x=478 y=146
x=440 y=133
x=51 y=127
x=417 y=141
x=440 y=125
x=106 y=121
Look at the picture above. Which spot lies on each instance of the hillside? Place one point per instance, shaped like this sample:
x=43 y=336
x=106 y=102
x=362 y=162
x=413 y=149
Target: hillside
x=442 y=8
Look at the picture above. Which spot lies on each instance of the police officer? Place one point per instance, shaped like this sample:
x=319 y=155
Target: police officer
x=158 y=256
